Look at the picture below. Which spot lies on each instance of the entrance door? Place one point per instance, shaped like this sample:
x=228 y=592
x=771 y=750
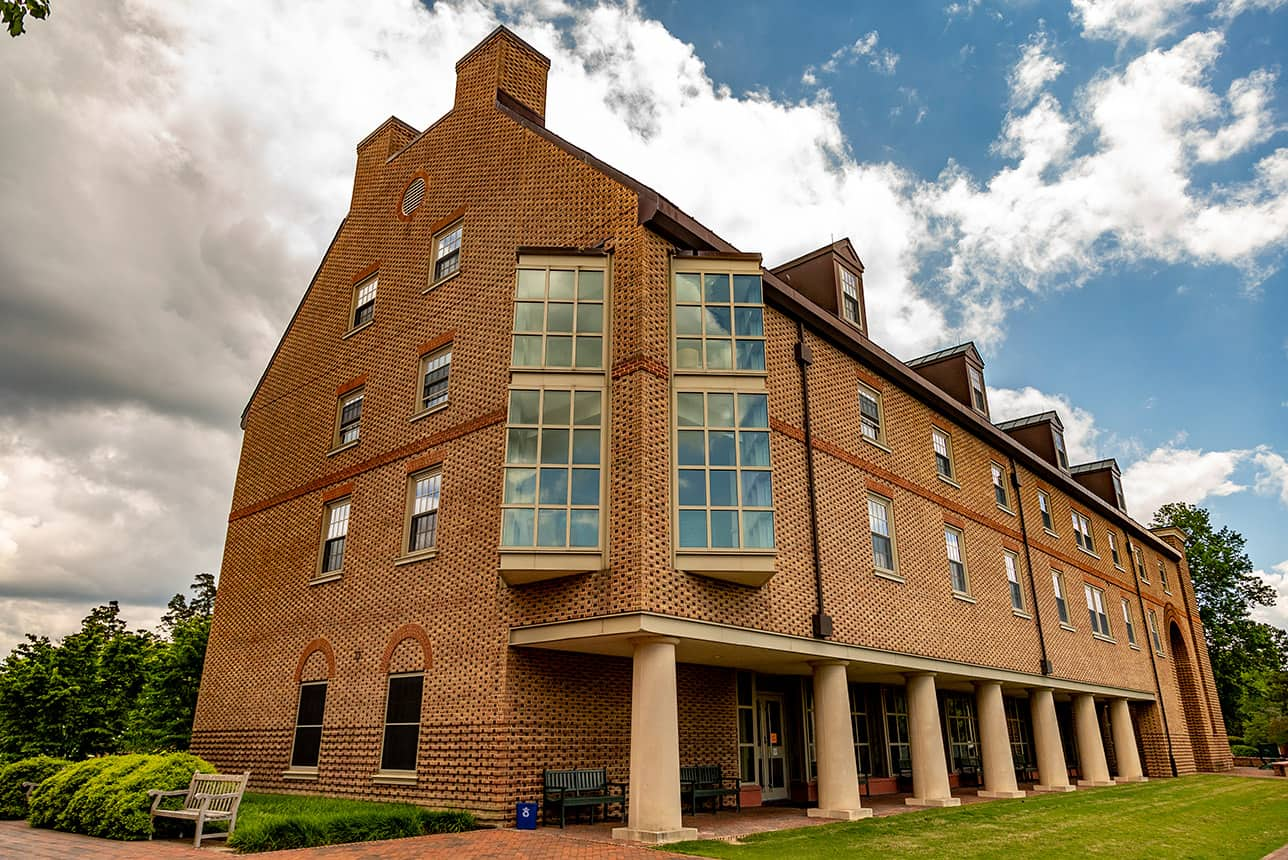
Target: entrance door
x=771 y=748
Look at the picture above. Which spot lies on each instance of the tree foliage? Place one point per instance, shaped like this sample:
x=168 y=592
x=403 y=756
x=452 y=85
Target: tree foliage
x=14 y=14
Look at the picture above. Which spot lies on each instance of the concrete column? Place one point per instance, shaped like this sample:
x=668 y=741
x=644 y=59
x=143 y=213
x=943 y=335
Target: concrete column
x=1053 y=773
x=929 y=767
x=995 y=742
x=1093 y=769
x=654 y=797
x=838 y=776
x=1124 y=742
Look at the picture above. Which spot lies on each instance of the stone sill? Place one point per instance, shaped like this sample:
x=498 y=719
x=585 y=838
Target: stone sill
x=351 y=332
x=430 y=411
x=890 y=575
x=949 y=481
x=752 y=569
x=1020 y=613
x=424 y=555
x=875 y=444
x=325 y=578
x=345 y=447
x=393 y=777
x=526 y=566
x=300 y=774
x=436 y=284
x=1068 y=627
x=963 y=597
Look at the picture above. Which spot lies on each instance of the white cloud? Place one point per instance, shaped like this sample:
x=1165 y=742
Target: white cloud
x=1034 y=71
x=1174 y=474
x=1081 y=436
x=1231 y=8
x=1276 y=578
x=881 y=60
x=1145 y=20
x=1273 y=477
x=1250 y=100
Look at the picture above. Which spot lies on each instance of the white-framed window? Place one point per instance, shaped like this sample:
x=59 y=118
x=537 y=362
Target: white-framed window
x=850 y=297
x=725 y=489
x=881 y=526
x=1061 y=605
x=435 y=369
x=364 y=302
x=1140 y=564
x=1162 y=577
x=1118 y=491
x=1113 y=549
x=977 y=397
x=1012 y=564
x=335 y=532
x=999 y=486
x=1154 y=634
x=307 y=742
x=871 y=416
x=719 y=322
x=1096 y=610
x=894 y=706
x=1082 y=532
x=955 y=542
x=559 y=319
x=746 y=729
x=447 y=252
x=1128 y=624
x=1044 y=505
x=348 y=419
x=553 y=478
x=1061 y=455
x=402 y=722
x=423 y=492
x=861 y=729
x=943 y=445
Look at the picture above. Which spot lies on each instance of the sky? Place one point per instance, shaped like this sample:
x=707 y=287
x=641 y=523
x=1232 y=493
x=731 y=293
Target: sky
x=1094 y=191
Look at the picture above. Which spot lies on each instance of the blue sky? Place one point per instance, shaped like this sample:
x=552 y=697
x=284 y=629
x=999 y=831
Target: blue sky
x=1095 y=191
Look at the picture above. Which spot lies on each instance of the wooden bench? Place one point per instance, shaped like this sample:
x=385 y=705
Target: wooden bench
x=578 y=787
x=707 y=782
x=209 y=797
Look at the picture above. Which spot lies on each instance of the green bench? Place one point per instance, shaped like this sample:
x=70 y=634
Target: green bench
x=707 y=782
x=576 y=788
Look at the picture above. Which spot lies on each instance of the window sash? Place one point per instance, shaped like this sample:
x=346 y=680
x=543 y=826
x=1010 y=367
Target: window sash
x=1113 y=549
x=879 y=517
x=850 y=296
x=999 y=486
x=426 y=490
x=1011 y=562
x=1044 y=505
x=1162 y=576
x=977 y=389
x=1096 y=610
x=956 y=561
x=447 y=252
x=402 y=722
x=1127 y=623
x=1154 y=633
x=350 y=418
x=1061 y=605
x=1061 y=455
x=559 y=318
x=309 y=712
x=337 y=518
x=719 y=322
x=870 y=415
x=364 y=302
x=435 y=370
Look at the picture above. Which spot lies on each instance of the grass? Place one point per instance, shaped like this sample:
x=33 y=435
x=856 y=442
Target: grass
x=1205 y=815
x=273 y=822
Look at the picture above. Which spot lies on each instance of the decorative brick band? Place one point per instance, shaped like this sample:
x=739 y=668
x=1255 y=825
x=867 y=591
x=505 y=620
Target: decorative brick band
x=434 y=343
x=407 y=631
x=640 y=362
x=338 y=492
x=448 y=435
x=345 y=387
x=309 y=650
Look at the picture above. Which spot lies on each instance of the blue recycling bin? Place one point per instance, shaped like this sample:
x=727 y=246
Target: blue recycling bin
x=525 y=815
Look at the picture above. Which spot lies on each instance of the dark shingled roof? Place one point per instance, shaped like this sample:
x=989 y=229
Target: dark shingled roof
x=961 y=348
x=1110 y=463
x=1016 y=423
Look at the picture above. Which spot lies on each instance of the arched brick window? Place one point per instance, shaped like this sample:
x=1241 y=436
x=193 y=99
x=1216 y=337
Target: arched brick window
x=312 y=674
x=406 y=658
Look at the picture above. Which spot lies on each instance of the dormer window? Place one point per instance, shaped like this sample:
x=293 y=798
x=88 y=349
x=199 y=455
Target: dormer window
x=850 y=297
x=1061 y=455
x=1118 y=493
x=977 y=398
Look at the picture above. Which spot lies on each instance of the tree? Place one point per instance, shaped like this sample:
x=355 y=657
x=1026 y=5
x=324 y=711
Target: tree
x=14 y=14
x=1227 y=590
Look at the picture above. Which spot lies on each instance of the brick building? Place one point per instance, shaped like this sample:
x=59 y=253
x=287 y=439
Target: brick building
x=544 y=473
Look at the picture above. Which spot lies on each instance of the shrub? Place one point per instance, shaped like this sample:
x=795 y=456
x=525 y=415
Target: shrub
x=13 y=797
x=108 y=796
x=1243 y=750
x=270 y=822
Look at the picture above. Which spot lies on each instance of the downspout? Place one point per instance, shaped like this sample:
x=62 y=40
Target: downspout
x=1028 y=562
x=1153 y=658
x=822 y=622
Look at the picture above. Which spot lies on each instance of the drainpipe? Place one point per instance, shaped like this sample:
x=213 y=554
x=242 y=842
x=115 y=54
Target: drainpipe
x=822 y=622
x=1153 y=659
x=1028 y=562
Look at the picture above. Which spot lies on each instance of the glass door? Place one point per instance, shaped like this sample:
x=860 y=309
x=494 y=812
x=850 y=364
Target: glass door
x=772 y=747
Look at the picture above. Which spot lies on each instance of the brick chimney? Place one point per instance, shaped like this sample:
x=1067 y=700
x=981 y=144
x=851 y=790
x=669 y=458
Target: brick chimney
x=502 y=61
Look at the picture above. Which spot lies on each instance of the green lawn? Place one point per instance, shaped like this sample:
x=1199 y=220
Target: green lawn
x=1197 y=816
x=272 y=822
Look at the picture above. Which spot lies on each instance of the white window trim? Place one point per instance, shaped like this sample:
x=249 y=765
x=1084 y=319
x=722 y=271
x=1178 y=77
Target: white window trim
x=961 y=551
x=951 y=477
x=1006 y=491
x=292 y=771
x=433 y=251
x=351 y=328
x=891 y=572
x=400 y=776
x=874 y=394
x=320 y=575
x=408 y=554
x=418 y=395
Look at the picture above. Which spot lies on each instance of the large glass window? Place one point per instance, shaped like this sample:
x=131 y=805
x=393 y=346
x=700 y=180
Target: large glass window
x=719 y=322
x=963 y=744
x=862 y=731
x=559 y=319
x=1096 y=609
x=725 y=490
x=552 y=473
x=435 y=368
x=337 y=530
x=881 y=525
x=1017 y=725
x=423 y=491
x=308 y=725
x=955 y=541
x=897 y=737
x=1012 y=563
x=746 y=729
x=811 y=746
x=402 y=722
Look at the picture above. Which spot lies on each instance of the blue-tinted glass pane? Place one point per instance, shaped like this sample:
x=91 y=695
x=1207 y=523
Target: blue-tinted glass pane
x=590 y=285
x=720 y=410
x=689 y=407
x=693 y=528
x=559 y=352
x=746 y=289
x=751 y=355
x=724 y=528
x=554 y=446
x=520 y=486
x=585 y=528
x=561 y=283
x=724 y=488
x=715 y=288
x=753 y=410
x=757 y=491
x=719 y=355
x=590 y=351
x=516 y=527
x=754 y=448
x=688 y=287
x=585 y=486
x=527 y=350
x=552 y=527
x=590 y=317
x=556 y=408
x=688 y=354
x=587 y=408
x=692 y=448
x=693 y=489
x=758 y=529
x=720 y=448
x=559 y=317
x=528 y=316
x=688 y=320
x=585 y=447
x=522 y=446
x=524 y=407
x=718 y=321
x=749 y=322
x=554 y=486
x=532 y=283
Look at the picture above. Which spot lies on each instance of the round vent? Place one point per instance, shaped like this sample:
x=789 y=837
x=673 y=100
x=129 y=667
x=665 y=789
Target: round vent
x=413 y=196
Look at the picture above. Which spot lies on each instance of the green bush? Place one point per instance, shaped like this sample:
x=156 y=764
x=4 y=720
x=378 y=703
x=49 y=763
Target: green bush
x=275 y=822
x=1243 y=750
x=13 y=797
x=108 y=796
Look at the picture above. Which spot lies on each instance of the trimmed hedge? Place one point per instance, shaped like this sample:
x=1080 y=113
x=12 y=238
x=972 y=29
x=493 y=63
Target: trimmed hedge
x=13 y=797
x=1243 y=750
x=275 y=822
x=108 y=796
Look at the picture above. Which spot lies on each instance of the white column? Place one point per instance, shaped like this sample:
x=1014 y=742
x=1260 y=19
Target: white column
x=929 y=767
x=1125 y=751
x=838 y=775
x=995 y=742
x=1053 y=773
x=1093 y=770
x=654 y=798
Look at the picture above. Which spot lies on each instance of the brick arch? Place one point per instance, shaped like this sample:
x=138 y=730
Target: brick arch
x=1185 y=668
x=309 y=650
x=401 y=635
